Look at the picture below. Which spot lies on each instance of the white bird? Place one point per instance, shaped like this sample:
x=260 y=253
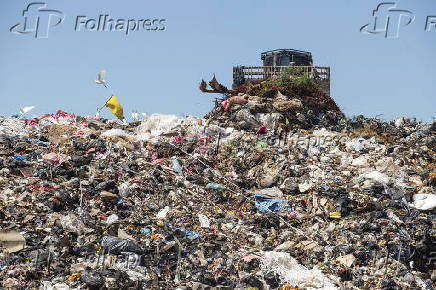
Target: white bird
x=100 y=79
x=97 y=114
x=135 y=116
x=24 y=110
x=144 y=116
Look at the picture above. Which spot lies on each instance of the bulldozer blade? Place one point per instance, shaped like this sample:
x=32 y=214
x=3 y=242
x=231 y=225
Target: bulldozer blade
x=217 y=87
x=203 y=86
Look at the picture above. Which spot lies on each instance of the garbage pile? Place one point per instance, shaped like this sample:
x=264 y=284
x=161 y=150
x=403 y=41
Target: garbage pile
x=290 y=100
x=250 y=197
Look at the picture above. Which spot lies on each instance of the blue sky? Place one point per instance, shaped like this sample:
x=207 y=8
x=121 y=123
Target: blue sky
x=159 y=71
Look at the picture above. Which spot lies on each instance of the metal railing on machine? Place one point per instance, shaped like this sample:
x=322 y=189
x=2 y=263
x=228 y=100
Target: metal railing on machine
x=262 y=72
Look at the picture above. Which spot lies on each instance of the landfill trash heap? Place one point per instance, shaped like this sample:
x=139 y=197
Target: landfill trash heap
x=290 y=100
x=274 y=189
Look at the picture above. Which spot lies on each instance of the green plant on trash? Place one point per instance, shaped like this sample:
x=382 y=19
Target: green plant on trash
x=293 y=79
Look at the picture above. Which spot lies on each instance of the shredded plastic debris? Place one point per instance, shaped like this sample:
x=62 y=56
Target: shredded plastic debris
x=296 y=275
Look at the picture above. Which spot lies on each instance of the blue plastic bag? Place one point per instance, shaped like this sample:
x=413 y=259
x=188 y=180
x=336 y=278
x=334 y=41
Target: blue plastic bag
x=265 y=204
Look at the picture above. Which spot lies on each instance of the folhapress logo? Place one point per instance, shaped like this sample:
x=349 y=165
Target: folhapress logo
x=38 y=20
x=388 y=20
x=107 y=23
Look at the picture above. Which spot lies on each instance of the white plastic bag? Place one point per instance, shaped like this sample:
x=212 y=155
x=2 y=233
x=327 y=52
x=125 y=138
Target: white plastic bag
x=204 y=221
x=424 y=201
x=291 y=272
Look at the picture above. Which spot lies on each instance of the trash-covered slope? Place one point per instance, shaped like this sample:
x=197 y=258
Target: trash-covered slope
x=265 y=192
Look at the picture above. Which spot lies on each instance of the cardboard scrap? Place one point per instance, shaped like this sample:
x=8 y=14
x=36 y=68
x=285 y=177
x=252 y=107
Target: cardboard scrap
x=12 y=241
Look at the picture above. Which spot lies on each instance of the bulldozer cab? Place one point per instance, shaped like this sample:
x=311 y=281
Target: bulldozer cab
x=286 y=57
x=275 y=62
x=278 y=61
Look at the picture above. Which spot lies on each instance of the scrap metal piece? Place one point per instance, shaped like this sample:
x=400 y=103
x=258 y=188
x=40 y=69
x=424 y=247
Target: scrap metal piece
x=219 y=88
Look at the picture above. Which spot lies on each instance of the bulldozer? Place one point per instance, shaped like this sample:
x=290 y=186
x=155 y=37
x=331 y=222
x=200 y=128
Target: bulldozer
x=275 y=62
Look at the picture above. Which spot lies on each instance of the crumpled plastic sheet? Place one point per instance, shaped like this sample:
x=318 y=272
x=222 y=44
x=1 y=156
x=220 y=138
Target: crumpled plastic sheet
x=293 y=273
x=72 y=223
x=55 y=158
x=377 y=176
x=93 y=279
x=114 y=245
x=60 y=118
x=38 y=142
x=215 y=186
x=265 y=204
x=357 y=144
x=13 y=127
x=117 y=133
x=270 y=120
x=156 y=125
x=47 y=285
x=190 y=234
x=423 y=201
